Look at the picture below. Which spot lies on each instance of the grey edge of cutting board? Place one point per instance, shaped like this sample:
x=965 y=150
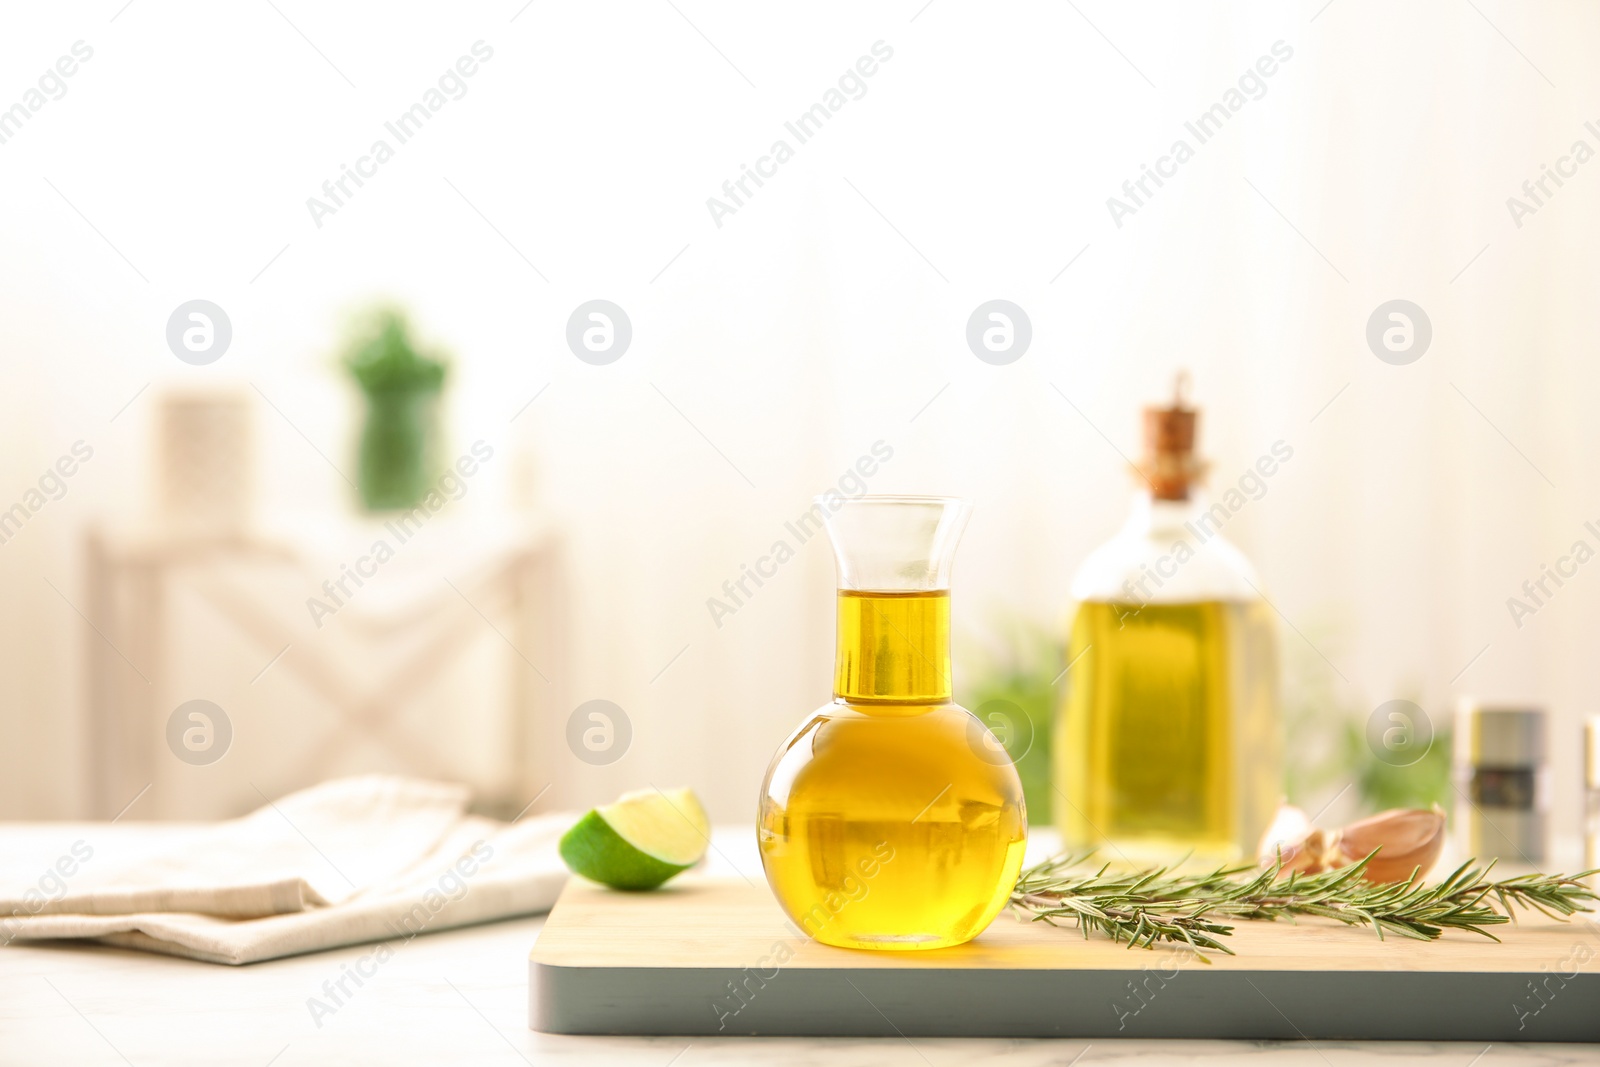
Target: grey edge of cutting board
x=659 y=963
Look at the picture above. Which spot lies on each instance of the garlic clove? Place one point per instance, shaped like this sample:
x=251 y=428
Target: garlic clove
x=1287 y=839
x=1407 y=840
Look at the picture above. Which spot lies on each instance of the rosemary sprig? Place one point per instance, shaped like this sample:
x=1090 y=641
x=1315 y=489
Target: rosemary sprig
x=1159 y=904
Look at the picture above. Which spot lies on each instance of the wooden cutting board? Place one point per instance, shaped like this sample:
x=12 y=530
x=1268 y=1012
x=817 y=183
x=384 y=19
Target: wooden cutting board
x=706 y=956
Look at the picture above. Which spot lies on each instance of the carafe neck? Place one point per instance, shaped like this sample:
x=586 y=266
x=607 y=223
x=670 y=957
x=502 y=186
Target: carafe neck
x=893 y=648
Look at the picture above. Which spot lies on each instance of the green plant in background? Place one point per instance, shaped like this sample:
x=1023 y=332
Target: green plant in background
x=1326 y=749
x=402 y=387
x=1015 y=694
x=1382 y=786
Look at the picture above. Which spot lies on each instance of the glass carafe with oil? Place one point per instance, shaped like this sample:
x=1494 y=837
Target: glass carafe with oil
x=892 y=818
x=1168 y=741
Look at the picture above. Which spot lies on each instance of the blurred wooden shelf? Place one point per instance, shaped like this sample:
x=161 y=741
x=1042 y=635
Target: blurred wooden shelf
x=174 y=615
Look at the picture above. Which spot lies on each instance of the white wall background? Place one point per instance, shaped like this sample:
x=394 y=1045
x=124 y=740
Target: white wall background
x=829 y=313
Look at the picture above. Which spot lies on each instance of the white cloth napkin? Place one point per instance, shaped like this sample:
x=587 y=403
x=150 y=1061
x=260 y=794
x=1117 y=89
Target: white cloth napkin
x=354 y=860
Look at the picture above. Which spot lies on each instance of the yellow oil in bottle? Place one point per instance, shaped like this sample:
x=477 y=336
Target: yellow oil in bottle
x=1168 y=738
x=892 y=649
x=886 y=821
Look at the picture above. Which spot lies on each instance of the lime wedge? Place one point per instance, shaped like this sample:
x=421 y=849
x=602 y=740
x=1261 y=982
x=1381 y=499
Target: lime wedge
x=639 y=842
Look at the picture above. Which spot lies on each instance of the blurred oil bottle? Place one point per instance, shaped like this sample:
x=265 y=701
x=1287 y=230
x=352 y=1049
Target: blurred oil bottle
x=1169 y=738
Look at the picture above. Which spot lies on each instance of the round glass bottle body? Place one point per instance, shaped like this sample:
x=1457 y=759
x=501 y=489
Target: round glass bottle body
x=889 y=831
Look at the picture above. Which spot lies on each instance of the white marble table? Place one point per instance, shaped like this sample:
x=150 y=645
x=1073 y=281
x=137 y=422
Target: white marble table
x=461 y=997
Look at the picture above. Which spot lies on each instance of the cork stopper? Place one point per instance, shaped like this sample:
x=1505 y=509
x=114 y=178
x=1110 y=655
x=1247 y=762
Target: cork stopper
x=1169 y=464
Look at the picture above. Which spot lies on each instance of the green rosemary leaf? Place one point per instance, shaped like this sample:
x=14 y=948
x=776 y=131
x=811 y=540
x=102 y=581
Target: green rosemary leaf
x=1159 y=905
